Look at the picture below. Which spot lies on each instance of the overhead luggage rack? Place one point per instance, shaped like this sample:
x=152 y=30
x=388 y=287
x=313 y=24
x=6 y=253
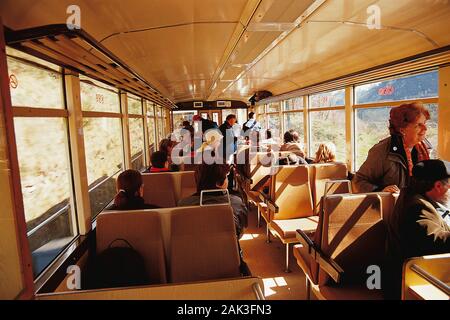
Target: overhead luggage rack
x=78 y=51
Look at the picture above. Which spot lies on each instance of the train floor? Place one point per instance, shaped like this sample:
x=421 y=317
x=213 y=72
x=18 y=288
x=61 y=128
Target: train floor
x=267 y=262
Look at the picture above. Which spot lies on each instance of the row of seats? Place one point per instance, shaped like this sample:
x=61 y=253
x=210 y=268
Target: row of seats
x=177 y=244
x=350 y=238
x=293 y=198
x=165 y=189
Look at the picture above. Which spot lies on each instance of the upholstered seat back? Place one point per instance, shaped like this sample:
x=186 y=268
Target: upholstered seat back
x=321 y=174
x=292 y=193
x=142 y=230
x=203 y=244
x=353 y=234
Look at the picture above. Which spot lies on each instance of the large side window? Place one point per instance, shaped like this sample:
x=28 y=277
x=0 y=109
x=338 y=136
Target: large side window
x=293 y=116
x=327 y=121
x=375 y=101
x=103 y=144
x=136 y=124
x=43 y=152
x=151 y=125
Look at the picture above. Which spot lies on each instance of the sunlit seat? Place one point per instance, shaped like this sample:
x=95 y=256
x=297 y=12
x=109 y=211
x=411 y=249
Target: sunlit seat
x=290 y=204
x=142 y=230
x=350 y=238
x=426 y=278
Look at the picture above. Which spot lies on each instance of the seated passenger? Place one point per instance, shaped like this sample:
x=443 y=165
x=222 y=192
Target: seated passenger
x=159 y=162
x=325 y=153
x=420 y=224
x=130 y=191
x=389 y=164
x=213 y=177
x=292 y=144
x=167 y=145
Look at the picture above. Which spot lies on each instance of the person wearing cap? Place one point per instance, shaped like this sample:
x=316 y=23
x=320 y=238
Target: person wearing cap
x=420 y=222
x=389 y=164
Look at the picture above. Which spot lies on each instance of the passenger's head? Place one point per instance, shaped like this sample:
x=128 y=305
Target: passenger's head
x=212 y=176
x=268 y=134
x=166 y=145
x=289 y=136
x=431 y=178
x=251 y=115
x=231 y=119
x=326 y=153
x=409 y=121
x=129 y=185
x=186 y=124
x=159 y=159
x=197 y=118
x=296 y=136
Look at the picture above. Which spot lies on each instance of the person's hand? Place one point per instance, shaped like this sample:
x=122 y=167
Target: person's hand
x=392 y=189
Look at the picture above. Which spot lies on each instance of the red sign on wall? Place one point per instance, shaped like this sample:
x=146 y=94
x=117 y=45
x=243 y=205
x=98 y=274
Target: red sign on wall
x=386 y=91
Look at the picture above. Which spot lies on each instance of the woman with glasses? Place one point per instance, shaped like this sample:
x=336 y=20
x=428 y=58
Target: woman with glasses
x=389 y=164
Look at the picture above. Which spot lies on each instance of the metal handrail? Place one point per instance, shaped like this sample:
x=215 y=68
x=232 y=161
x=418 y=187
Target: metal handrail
x=48 y=220
x=431 y=279
x=258 y=291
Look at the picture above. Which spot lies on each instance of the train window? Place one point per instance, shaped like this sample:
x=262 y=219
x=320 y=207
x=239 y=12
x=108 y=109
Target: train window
x=293 y=104
x=274 y=124
x=134 y=104
x=42 y=148
x=151 y=125
x=408 y=88
x=96 y=96
x=371 y=126
x=160 y=120
x=44 y=160
x=104 y=159
x=294 y=120
x=328 y=126
x=327 y=99
x=102 y=141
x=25 y=75
x=273 y=107
x=137 y=143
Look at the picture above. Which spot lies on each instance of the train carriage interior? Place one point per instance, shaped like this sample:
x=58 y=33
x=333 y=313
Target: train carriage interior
x=224 y=150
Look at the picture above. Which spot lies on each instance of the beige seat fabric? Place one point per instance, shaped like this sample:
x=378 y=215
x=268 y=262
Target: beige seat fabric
x=287 y=228
x=167 y=188
x=353 y=234
x=292 y=193
x=321 y=174
x=142 y=229
x=203 y=244
x=159 y=189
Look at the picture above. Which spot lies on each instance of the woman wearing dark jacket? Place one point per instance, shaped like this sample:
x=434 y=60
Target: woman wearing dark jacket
x=130 y=191
x=389 y=164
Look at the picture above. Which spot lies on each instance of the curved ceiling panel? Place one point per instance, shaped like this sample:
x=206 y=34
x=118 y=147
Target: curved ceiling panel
x=216 y=49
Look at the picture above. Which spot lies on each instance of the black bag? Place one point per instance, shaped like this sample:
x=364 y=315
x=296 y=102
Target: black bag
x=117 y=267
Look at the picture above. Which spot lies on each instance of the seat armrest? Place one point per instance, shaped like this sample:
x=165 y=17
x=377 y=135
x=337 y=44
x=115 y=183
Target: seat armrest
x=272 y=206
x=326 y=263
x=305 y=240
x=329 y=266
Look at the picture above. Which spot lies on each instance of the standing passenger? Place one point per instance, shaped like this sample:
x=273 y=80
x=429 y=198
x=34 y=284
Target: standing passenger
x=389 y=164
